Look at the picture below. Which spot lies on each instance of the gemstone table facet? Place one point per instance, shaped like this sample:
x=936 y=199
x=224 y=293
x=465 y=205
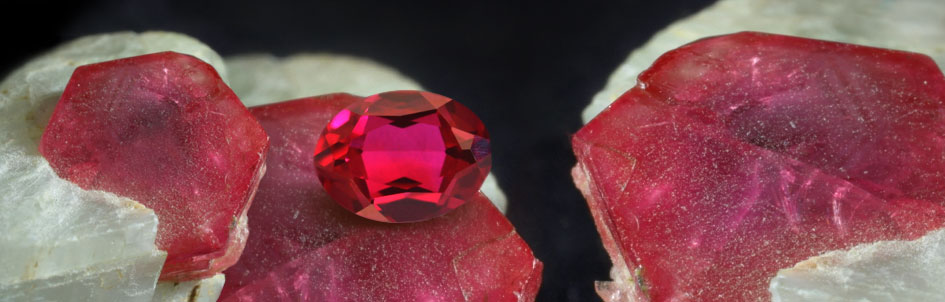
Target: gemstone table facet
x=403 y=156
x=163 y=129
x=739 y=155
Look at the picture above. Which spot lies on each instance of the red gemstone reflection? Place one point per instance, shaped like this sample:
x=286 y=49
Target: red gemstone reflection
x=403 y=156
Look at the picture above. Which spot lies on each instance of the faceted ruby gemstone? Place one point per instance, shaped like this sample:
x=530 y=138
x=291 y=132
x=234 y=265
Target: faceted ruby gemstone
x=304 y=247
x=403 y=156
x=739 y=155
x=163 y=129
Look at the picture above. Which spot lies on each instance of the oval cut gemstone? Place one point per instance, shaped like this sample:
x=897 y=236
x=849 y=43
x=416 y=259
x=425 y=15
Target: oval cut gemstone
x=403 y=156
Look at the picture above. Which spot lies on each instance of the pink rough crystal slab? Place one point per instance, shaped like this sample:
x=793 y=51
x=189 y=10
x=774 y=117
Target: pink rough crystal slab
x=165 y=130
x=304 y=247
x=739 y=155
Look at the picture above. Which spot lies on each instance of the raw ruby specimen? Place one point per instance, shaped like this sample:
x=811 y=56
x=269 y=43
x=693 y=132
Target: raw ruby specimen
x=403 y=156
x=165 y=130
x=739 y=155
x=304 y=247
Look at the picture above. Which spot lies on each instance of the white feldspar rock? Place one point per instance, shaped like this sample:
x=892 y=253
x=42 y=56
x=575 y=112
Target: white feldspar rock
x=884 y=271
x=130 y=278
x=262 y=79
x=913 y=25
x=204 y=290
x=490 y=187
x=59 y=242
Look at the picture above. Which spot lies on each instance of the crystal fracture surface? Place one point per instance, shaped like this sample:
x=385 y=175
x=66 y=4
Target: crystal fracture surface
x=304 y=247
x=60 y=242
x=739 y=155
x=403 y=156
x=164 y=130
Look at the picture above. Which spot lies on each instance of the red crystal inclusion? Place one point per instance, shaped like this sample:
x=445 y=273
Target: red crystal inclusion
x=403 y=156
x=739 y=155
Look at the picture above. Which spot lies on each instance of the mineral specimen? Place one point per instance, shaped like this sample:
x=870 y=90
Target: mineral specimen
x=60 y=242
x=164 y=130
x=740 y=155
x=304 y=247
x=403 y=156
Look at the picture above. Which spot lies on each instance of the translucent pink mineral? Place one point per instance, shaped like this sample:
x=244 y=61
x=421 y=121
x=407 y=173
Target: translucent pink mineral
x=739 y=155
x=163 y=129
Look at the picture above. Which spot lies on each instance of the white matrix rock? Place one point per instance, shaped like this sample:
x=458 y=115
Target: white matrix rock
x=884 y=271
x=262 y=79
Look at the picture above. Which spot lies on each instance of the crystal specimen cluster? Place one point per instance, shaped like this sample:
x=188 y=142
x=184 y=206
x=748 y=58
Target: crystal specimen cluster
x=304 y=247
x=403 y=156
x=740 y=155
x=163 y=129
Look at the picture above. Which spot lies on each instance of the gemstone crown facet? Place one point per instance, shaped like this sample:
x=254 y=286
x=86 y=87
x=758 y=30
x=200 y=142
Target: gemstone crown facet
x=403 y=156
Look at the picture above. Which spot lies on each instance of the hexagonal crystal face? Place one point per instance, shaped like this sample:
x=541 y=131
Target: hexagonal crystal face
x=165 y=130
x=403 y=156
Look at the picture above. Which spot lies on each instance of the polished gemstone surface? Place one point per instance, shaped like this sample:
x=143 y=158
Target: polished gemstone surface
x=164 y=130
x=739 y=155
x=304 y=247
x=403 y=156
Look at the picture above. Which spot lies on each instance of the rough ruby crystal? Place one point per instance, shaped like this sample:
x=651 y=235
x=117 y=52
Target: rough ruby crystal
x=739 y=155
x=403 y=156
x=165 y=130
x=304 y=247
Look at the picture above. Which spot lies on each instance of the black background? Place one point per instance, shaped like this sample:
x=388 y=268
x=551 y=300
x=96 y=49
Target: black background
x=527 y=69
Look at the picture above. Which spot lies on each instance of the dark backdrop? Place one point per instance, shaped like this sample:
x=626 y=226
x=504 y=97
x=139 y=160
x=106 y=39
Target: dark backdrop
x=527 y=69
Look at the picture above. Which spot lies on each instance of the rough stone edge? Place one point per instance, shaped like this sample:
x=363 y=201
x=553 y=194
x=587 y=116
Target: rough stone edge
x=624 y=286
x=203 y=290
